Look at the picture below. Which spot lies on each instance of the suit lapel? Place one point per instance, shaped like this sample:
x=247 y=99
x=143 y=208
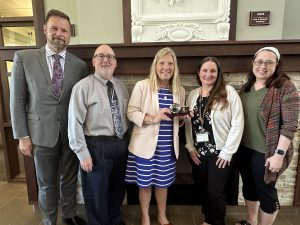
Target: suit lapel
x=44 y=66
x=41 y=57
x=67 y=74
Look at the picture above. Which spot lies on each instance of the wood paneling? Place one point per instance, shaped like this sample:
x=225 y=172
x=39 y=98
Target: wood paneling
x=235 y=56
x=39 y=19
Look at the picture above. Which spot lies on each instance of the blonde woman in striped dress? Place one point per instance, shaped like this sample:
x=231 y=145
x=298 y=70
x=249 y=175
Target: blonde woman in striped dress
x=154 y=144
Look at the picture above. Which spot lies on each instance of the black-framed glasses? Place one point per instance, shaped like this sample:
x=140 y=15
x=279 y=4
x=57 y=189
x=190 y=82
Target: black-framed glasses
x=100 y=57
x=267 y=63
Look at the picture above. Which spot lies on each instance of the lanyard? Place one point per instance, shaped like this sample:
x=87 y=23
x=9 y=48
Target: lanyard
x=202 y=115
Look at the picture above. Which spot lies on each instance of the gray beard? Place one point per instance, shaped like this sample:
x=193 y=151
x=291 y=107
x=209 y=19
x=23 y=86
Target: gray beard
x=58 y=44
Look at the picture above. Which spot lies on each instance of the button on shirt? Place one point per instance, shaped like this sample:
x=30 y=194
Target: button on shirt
x=90 y=113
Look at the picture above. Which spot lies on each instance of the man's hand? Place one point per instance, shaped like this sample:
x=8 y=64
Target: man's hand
x=25 y=146
x=87 y=164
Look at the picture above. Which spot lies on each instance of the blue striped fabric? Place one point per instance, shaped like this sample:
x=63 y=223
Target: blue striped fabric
x=160 y=170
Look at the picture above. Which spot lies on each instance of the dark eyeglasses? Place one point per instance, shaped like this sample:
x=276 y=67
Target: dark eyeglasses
x=100 y=57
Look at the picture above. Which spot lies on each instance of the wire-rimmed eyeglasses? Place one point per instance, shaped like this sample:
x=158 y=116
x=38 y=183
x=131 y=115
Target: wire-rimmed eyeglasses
x=267 y=63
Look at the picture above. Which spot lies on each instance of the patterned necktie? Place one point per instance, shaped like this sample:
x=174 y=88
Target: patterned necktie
x=115 y=110
x=58 y=75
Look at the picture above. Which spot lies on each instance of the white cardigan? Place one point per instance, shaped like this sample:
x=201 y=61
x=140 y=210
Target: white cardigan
x=227 y=125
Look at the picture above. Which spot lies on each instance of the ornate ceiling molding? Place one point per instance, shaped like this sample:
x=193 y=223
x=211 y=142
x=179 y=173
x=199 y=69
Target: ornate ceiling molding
x=194 y=20
x=172 y=2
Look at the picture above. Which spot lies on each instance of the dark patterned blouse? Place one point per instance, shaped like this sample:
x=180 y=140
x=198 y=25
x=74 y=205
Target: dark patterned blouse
x=204 y=148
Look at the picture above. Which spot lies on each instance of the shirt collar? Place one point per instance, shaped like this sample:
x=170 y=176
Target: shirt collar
x=102 y=80
x=50 y=52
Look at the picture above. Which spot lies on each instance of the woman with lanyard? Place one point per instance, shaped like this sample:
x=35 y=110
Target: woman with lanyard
x=213 y=136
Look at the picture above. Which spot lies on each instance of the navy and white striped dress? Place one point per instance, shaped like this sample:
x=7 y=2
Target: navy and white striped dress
x=160 y=170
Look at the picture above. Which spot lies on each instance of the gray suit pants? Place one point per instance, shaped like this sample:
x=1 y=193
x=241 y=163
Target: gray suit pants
x=56 y=170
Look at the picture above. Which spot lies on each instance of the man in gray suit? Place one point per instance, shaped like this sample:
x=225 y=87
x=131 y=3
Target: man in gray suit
x=41 y=84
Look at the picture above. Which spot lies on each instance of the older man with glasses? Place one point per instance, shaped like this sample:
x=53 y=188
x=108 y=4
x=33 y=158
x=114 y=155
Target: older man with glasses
x=97 y=134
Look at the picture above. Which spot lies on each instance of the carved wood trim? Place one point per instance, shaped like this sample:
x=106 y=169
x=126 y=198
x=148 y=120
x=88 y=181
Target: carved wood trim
x=126 y=21
x=39 y=19
x=233 y=16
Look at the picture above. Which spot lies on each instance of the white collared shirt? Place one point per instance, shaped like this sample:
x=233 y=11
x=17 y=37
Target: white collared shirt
x=50 y=60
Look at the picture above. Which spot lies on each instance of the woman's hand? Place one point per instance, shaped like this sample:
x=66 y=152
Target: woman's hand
x=190 y=115
x=222 y=163
x=274 y=163
x=161 y=115
x=195 y=157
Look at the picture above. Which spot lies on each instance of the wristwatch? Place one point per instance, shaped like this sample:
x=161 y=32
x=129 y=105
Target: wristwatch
x=280 y=152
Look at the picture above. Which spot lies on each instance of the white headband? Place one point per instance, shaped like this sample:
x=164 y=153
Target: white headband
x=272 y=49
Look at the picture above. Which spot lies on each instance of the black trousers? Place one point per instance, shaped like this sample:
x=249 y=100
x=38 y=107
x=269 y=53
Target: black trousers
x=252 y=169
x=212 y=188
x=104 y=187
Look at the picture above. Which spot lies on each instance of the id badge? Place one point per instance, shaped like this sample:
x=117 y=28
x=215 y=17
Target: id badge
x=202 y=137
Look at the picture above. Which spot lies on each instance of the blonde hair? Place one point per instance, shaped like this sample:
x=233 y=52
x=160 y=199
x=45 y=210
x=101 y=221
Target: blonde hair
x=153 y=78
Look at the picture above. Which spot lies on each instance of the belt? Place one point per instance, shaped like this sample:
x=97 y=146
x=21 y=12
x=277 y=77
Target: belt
x=106 y=138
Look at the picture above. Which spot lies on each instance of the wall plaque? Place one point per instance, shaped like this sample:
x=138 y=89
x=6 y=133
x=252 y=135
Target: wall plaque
x=259 y=18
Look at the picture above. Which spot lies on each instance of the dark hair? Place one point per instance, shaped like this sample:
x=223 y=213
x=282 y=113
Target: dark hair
x=218 y=92
x=55 y=12
x=276 y=80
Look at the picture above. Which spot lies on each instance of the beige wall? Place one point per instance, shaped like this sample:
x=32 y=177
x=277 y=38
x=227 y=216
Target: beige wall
x=96 y=21
x=100 y=21
x=269 y=32
x=291 y=28
x=68 y=7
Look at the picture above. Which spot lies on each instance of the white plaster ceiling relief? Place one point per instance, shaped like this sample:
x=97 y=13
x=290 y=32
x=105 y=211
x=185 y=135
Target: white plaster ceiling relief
x=180 y=32
x=223 y=30
x=179 y=20
x=172 y=2
x=223 y=24
x=136 y=28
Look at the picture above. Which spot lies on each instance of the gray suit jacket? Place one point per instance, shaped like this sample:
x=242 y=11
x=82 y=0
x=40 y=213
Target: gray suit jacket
x=35 y=110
